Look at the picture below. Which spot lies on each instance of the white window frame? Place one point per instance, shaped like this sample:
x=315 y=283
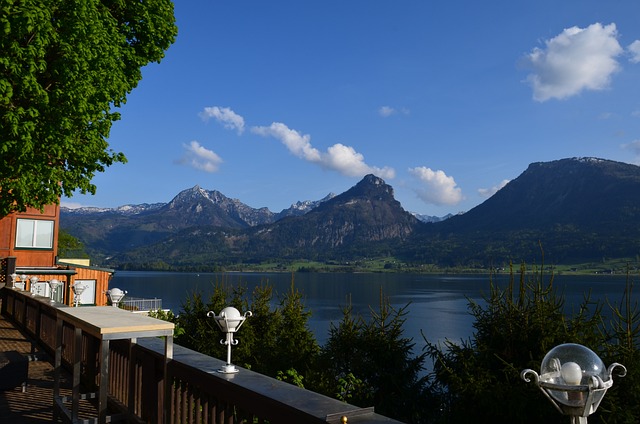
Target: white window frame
x=34 y=233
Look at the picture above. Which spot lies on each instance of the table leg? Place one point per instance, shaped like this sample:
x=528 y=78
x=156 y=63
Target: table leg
x=168 y=356
x=104 y=381
x=131 y=400
x=57 y=370
x=77 y=364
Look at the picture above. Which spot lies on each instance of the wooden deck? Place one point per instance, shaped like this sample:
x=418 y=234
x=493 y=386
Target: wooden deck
x=36 y=404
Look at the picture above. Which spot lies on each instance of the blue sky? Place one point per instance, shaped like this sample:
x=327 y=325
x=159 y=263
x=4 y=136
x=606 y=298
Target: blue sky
x=275 y=102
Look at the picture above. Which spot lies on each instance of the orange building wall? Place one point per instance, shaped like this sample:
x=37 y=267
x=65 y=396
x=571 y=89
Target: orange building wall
x=29 y=257
x=102 y=282
x=46 y=258
x=101 y=277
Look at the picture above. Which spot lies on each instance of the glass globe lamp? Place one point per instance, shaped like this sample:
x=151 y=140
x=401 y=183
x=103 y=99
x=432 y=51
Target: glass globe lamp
x=229 y=321
x=115 y=295
x=574 y=379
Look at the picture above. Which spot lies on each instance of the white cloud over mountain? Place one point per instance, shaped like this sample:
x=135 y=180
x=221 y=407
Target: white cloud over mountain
x=634 y=51
x=199 y=157
x=488 y=192
x=575 y=60
x=436 y=187
x=433 y=187
x=343 y=159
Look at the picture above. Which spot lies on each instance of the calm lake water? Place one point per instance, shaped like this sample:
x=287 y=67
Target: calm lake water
x=438 y=304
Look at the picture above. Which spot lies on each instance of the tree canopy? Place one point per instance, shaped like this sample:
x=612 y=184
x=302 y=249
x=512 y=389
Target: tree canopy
x=65 y=66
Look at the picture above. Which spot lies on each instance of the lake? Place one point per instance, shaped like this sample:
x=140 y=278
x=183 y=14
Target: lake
x=437 y=303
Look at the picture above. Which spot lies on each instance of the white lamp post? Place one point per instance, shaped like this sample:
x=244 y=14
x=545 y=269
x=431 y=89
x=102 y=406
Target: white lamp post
x=574 y=379
x=53 y=285
x=78 y=288
x=115 y=295
x=21 y=284
x=14 y=277
x=32 y=286
x=229 y=322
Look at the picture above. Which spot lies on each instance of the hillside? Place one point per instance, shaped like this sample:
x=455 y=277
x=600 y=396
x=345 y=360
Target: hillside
x=576 y=210
x=364 y=220
x=579 y=209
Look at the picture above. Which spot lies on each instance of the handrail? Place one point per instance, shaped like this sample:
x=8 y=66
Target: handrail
x=196 y=394
x=139 y=304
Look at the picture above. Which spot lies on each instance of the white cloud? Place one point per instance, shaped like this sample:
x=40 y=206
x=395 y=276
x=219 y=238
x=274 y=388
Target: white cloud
x=338 y=157
x=634 y=50
x=200 y=158
x=634 y=146
x=347 y=161
x=436 y=188
x=575 y=60
x=227 y=117
x=488 y=192
x=387 y=111
x=299 y=145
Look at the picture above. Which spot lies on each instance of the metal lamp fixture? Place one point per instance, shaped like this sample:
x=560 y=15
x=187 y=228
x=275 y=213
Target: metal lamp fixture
x=22 y=284
x=78 y=289
x=53 y=285
x=574 y=379
x=229 y=322
x=115 y=295
x=14 y=277
x=32 y=286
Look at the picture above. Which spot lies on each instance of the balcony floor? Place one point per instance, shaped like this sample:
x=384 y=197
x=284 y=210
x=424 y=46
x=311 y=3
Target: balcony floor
x=36 y=405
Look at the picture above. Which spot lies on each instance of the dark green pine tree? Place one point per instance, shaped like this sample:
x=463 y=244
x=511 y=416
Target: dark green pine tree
x=371 y=363
x=478 y=380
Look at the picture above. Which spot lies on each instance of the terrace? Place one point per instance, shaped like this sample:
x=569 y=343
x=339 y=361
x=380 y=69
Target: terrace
x=145 y=384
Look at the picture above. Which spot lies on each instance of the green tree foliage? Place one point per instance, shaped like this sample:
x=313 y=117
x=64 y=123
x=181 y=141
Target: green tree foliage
x=479 y=380
x=64 y=66
x=70 y=247
x=622 y=342
x=273 y=340
x=371 y=363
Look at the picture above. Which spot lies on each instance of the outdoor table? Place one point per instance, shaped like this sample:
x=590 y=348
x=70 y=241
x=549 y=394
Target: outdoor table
x=106 y=323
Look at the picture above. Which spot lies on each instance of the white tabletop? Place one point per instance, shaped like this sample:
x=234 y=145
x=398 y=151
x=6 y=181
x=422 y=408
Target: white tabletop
x=107 y=322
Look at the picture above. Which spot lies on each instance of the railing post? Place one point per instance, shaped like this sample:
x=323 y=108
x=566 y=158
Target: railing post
x=8 y=265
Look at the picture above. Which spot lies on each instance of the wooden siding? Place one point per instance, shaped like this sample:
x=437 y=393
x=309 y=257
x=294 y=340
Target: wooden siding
x=101 y=277
x=46 y=258
x=29 y=257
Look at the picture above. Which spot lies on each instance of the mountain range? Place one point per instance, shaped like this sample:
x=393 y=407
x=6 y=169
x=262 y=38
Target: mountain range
x=573 y=210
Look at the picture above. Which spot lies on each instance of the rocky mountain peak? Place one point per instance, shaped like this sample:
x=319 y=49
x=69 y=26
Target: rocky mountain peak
x=371 y=187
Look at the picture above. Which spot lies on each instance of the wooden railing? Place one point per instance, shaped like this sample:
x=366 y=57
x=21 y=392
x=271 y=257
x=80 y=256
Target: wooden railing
x=195 y=394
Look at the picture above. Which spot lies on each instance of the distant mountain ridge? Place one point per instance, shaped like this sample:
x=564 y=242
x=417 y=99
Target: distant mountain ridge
x=569 y=210
x=578 y=209
x=124 y=209
x=582 y=192
x=201 y=197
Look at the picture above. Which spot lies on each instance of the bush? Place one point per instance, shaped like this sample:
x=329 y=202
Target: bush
x=272 y=340
x=371 y=363
x=478 y=380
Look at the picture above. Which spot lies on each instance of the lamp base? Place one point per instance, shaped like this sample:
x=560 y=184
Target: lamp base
x=228 y=369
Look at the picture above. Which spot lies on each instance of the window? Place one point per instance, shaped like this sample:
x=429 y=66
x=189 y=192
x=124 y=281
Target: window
x=34 y=233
